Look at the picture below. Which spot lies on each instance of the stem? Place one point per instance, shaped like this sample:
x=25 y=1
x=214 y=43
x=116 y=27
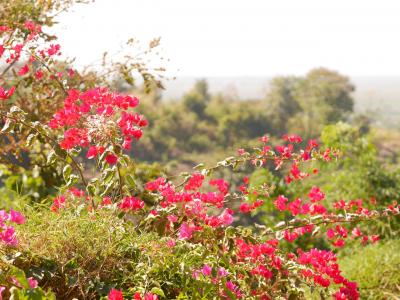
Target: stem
x=7 y=69
x=361 y=219
x=120 y=180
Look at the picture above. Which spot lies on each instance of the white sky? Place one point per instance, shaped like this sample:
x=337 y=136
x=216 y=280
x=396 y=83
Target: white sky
x=244 y=37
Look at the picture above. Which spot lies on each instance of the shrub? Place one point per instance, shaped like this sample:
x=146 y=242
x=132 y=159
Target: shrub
x=375 y=268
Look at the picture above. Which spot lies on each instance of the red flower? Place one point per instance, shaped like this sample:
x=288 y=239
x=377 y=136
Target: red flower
x=356 y=232
x=131 y=204
x=23 y=70
x=339 y=243
x=245 y=207
x=330 y=233
x=150 y=296
x=111 y=159
x=4 y=94
x=115 y=295
x=194 y=182
x=292 y=138
x=375 y=238
x=186 y=231
x=316 y=194
x=280 y=202
x=92 y=152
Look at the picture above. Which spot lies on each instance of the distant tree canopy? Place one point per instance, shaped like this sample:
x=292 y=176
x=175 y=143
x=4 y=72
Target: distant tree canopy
x=198 y=98
x=307 y=103
x=202 y=122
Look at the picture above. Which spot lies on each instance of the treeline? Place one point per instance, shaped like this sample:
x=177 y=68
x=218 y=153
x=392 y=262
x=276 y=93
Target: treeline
x=201 y=123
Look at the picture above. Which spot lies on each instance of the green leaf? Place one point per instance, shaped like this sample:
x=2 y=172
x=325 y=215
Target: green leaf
x=157 y=291
x=51 y=157
x=108 y=174
x=130 y=180
x=60 y=152
x=19 y=275
x=91 y=189
x=30 y=139
x=67 y=172
x=73 y=179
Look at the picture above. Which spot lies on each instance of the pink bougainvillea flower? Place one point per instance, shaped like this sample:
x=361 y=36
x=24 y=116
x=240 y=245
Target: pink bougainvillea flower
x=316 y=194
x=16 y=217
x=245 y=207
x=221 y=184
x=92 y=152
x=241 y=152
x=111 y=159
x=6 y=94
x=233 y=288
x=150 y=296
x=375 y=238
x=222 y=272
x=264 y=139
x=339 y=243
x=7 y=235
x=33 y=284
x=330 y=233
x=280 y=202
x=137 y=296
x=131 y=204
x=58 y=202
x=4 y=216
x=2 y=288
x=206 y=270
x=32 y=26
x=194 y=182
x=356 y=232
x=106 y=201
x=23 y=70
x=186 y=231
x=171 y=243
x=226 y=217
x=172 y=218
x=294 y=138
x=115 y=295
x=39 y=74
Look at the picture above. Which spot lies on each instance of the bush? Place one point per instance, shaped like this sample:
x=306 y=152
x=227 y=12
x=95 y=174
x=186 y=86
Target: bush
x=376 y=268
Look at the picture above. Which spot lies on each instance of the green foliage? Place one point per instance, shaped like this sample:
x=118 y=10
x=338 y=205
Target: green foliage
x=376 y=269
x=304 y=104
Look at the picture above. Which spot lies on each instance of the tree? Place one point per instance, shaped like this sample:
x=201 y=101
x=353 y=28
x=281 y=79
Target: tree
x=306 y=104
x=198 y=98
x=281 y=102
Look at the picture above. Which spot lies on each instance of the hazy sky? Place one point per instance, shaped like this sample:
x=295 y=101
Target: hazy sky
x=244 y=37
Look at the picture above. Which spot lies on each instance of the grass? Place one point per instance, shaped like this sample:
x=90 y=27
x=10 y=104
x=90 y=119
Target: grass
x=376 y=269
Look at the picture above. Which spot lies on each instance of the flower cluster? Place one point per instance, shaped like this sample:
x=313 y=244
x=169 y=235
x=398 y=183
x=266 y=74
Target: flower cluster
x=323 y=270
x=7 y=231
x=131 y=204
x=194 y=203
x=89 y=121
x=117 y=295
